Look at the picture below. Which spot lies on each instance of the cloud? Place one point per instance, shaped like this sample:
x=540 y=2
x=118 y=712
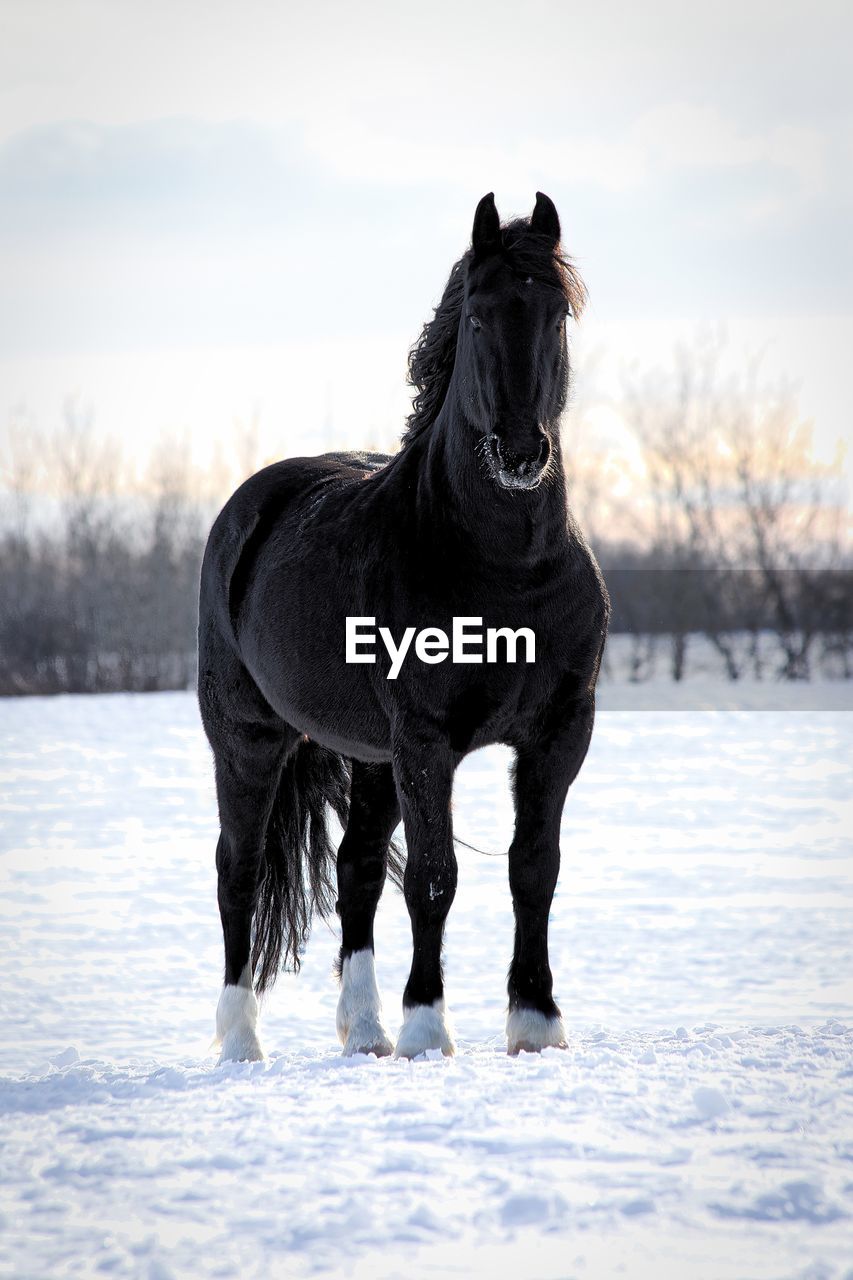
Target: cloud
x=183 y=230
x=684 y=137
x=668 y=140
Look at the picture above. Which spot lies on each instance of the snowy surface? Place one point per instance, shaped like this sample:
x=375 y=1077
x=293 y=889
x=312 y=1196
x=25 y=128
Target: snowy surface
x=699 y=1127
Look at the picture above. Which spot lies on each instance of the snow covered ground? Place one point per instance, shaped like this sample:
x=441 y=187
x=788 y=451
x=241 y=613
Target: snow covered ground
x=700 y=1126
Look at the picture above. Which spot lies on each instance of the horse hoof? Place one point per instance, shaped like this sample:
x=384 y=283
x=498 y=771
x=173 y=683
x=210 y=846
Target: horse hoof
x=359 y=1019
x=236 y=1022
x=529 y=1031
x=367 y=1035
x=424 y=1027
x=241 y=1045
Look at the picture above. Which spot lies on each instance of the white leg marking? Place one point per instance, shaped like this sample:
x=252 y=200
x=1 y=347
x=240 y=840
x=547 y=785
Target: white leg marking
x=359 y=1016
x=530 y=1030
x=237 y=1022
x=424 y=1027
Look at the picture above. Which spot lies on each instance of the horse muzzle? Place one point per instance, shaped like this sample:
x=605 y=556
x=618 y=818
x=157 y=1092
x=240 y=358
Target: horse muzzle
x=519 y=466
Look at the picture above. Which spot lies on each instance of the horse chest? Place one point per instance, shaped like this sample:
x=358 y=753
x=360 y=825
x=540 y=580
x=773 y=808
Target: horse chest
x=487 y=702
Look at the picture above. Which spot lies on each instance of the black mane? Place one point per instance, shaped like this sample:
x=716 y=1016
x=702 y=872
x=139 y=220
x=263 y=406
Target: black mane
x=432 y=357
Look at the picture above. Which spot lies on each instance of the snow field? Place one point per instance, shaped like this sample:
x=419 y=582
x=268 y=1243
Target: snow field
x=700 y=1123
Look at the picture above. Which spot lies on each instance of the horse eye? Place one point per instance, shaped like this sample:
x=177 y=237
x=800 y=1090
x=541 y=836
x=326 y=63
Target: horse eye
x=475 y=323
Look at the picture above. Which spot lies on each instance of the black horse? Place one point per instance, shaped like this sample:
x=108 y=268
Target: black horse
x=468 y=521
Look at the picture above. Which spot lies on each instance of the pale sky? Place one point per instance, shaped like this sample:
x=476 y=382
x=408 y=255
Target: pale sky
x=211 y=209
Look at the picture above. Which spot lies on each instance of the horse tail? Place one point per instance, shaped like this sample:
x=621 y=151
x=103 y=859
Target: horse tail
x=298 y=869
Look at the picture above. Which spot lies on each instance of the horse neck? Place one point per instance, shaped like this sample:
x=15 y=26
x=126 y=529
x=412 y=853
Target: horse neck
x=456 y=492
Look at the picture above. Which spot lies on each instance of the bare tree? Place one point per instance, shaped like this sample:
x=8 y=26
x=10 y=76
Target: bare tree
x=23 y=585
x=170 y=564
x=739 y=500
x=737 y=531
x=247 y=434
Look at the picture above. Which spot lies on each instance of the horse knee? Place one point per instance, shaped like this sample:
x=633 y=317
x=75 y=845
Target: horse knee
x=430 y=887
x=533 y=876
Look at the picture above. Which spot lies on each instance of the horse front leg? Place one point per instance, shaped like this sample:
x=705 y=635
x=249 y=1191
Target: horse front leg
x=423 y=773
x=362 y=863
x=544 y=772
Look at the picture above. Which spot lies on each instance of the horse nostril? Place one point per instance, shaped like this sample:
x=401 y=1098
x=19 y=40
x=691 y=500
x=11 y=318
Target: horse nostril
x=520 y=464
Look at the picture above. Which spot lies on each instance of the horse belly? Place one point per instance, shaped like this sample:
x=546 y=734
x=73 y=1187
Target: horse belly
x=319 y=695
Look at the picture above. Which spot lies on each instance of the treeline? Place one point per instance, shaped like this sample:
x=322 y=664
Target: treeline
x=98 y=568
x=733 y=531
x=790 y=625
x=100 y=608
x=101 y=605
x=741 y=534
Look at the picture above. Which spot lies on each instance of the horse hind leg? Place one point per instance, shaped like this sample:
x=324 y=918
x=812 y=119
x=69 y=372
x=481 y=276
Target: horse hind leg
x=362 y=864
x=247 y=778
x=250 y=745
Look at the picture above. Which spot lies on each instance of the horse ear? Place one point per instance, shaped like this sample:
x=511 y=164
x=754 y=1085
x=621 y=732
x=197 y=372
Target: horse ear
x=544 y=218
x=486 y=235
